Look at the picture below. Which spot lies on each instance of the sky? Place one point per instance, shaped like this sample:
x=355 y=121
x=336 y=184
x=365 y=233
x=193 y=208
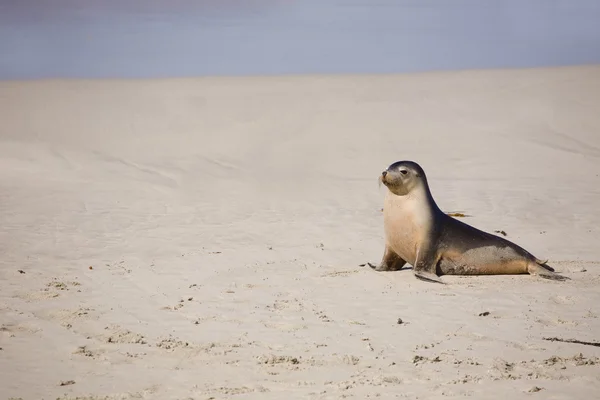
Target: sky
x=150 y=38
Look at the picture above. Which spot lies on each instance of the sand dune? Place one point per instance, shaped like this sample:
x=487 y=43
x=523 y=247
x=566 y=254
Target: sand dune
x=201 y=238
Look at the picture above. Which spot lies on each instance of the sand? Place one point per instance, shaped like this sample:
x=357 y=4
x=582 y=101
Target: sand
x=201 y=238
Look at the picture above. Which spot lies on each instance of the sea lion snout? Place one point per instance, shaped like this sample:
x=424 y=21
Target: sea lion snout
x=382 y=178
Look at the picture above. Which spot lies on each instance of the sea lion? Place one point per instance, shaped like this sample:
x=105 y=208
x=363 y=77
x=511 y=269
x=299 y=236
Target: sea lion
x=434 y=243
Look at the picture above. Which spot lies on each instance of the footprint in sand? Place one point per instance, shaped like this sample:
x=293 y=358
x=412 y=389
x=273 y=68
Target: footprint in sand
x=230 y=391
x=115 y=396
x=94 y=354
x=67 y=317
x=118 y=335
x=14 y=330
x=562 y=299
x=555 y=322
x=54 y=288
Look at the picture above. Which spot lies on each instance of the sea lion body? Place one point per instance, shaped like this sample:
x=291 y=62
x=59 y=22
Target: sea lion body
x=434 y=243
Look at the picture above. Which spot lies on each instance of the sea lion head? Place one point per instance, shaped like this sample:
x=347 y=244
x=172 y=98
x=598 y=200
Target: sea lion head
x=403 y=177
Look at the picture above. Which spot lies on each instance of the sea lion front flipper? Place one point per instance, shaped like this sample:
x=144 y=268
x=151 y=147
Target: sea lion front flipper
x=428 y=276
x=390 y=261
x=426 y=265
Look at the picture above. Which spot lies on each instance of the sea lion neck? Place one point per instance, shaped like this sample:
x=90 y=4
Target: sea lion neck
x=427 y=196
x=419 y=190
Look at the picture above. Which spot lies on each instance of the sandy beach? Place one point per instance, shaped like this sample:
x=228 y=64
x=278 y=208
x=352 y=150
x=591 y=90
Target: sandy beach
x=201 y=238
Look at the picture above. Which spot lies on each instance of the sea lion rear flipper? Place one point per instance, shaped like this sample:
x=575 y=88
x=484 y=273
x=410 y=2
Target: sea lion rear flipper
x=545 y=271
x=543 y=264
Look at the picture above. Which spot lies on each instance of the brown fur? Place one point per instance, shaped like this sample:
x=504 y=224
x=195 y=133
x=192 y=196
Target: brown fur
x=418 y=232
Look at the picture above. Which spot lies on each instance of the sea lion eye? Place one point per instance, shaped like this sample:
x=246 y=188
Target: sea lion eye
x=403 y=171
